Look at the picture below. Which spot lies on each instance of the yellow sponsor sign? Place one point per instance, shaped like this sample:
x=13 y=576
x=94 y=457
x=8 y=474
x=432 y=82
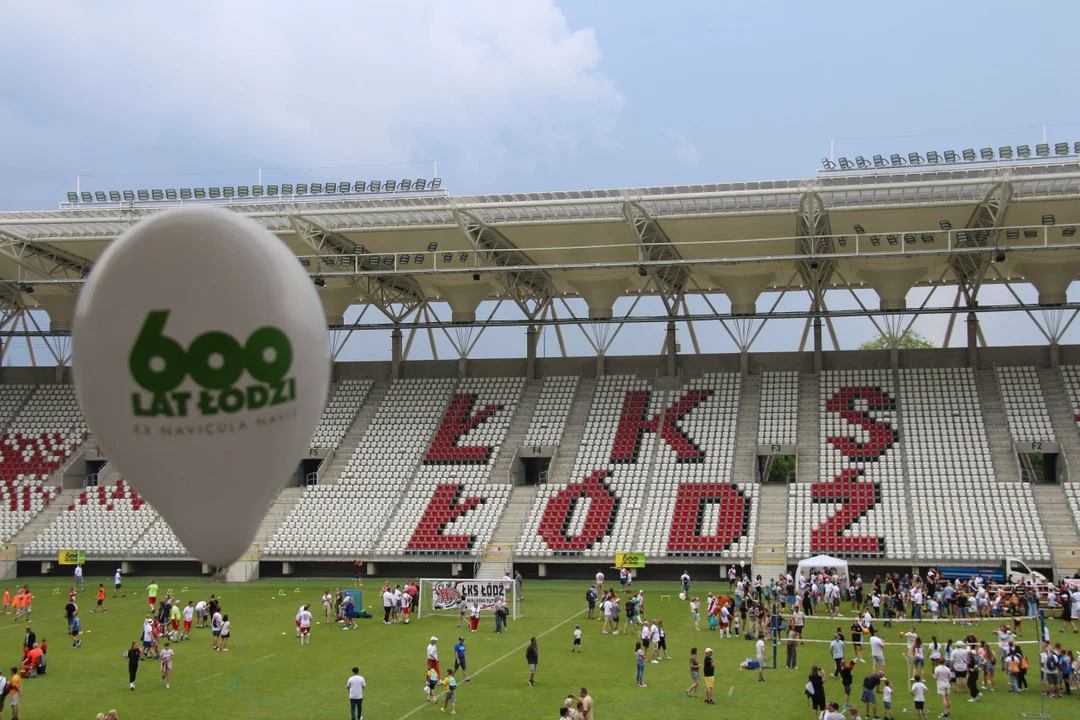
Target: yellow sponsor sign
x=72 y=557
x=629 y=560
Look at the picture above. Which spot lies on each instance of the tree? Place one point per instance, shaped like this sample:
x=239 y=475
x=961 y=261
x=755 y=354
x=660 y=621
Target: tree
x=907 y=340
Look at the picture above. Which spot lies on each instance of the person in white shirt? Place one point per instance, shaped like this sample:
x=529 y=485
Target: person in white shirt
x=388 y=605
x=918 y=690
x=406 y=605
x=200 y=614
x=355 y=686
x=396 y=612
x=761 y=657
x=943 y=677
x=328 y=606
x=599 y=585
x=166 y=656
x=877 y=652
x=576 y=647
x=215 y=628
x=725 y=622
x=118 y=587
x=832 y=713
x=695 y=612
x=433 y=655
x=305 y=625
x=654 y=641
x=685 y=581
x=226 y=631
x=608 y=613
x=189 y=617
x=79 y=578
x=298 y=613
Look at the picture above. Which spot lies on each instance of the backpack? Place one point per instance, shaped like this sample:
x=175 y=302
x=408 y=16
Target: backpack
x=629 y=608
x=1024 y=663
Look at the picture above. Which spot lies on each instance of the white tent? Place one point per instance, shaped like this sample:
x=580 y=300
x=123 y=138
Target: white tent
x=821 y=562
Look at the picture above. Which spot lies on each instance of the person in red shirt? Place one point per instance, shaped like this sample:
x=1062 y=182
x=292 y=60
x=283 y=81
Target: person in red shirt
x=357 y=566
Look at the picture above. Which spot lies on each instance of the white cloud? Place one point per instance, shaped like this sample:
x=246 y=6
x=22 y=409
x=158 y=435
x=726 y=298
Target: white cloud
x=684 y=150
x=332 y=83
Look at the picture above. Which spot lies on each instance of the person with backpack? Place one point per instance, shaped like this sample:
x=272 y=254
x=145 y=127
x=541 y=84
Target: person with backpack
x=590 y=598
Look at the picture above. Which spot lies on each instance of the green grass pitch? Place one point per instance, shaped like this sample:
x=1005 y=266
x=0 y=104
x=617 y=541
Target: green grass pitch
x=267 y=674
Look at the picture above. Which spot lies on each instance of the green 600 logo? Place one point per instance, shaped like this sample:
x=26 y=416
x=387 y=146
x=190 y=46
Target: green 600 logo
x=215 y=361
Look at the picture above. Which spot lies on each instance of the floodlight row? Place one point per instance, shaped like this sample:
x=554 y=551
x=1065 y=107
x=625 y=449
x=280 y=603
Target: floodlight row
x=284 y=190
x=950 y=157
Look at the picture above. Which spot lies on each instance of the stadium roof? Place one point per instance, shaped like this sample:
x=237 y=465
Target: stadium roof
x=887 y=229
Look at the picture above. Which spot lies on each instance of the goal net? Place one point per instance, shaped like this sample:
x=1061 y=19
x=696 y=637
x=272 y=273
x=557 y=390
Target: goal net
x=902 y=632
x=449 y=596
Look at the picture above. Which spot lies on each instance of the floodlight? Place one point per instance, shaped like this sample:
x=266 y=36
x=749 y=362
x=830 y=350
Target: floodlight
x=257 y=190
x=406 y=185
x=859 y=229
x=388 y=260
x=642 y=271
x=331 y=188
x=464 y=256
x=842 y=240
x=1023 y=151
x=87 y=197
x=114 y=196
x=969 y=155
x=909 y=238
x=896 y=160
x=99 y=196
x=1061 y=148
x=242 y=191
x=129 y=196
x=1068 y=231
x=373 y=259
x=344 y=187
x=879 y=161
x=330 y=261
x=875 y=241
x=1042 y=150
x=360 y=186
x=933 y=157
x=893 y=240
x=228 y=191
x=1047 y=219
x=828 y=164
x=928 y=237
x=862 y=162
x=286 y=188
x=305 y=262
x=375 y=186
x=1029 y=233
x=144 y=195
x=437 y=183
x=200 y=193
x=945 y=224
x=73 y=197
x=358 y=250
x=157 y=195
x=845 y=164
x=419 y=184
x=403 y=259
x=982 y=235
x=950 y=156
x=962 y=236
x=1005 y=152
x=390 y=186
x=301 y=188
x=1012 y=234
x=418 y=259
x=316 y=188
x=1076 y=148
x=170 y=194
x=915 y=158
x=448 y=257
x=215 y=193
x=432 y=246
x=185 y=193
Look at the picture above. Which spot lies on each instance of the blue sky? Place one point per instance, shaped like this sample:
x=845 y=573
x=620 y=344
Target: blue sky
x=529 y=95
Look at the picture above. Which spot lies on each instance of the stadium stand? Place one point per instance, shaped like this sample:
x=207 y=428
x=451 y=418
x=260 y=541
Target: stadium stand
x=346 y=398
x=778 y=409
x=693 y=508
x=104 y=521
x=1070 y=379
x=46 y=429
x=1024 y=404
x=159 y=541
x=346 y=518
x=451 y=508
x=951 y=475
x=856 y=507
x=552 y=411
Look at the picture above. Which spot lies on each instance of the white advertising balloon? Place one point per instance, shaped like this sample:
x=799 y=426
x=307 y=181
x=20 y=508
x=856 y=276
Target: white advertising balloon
x=201 y=361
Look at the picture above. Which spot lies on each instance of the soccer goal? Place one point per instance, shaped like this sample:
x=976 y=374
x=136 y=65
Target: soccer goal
x=442 y=596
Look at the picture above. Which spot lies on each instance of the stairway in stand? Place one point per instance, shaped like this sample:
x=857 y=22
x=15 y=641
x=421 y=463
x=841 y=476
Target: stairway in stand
x=1062 y=419
x=744 y=465
x=809 y=432
x=1002 y=451
x=770 y=554
x=508 y=532
x=345 y=449
x=1059 y=526
x=572 y=434
x=515 y=434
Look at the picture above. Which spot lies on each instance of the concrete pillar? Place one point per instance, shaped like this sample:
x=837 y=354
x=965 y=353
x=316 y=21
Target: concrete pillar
x=744 y=362
x=531 y=337
x=1055 y=355
x=395 y=353
x=542 y=571
x=894 y=358
x=672 y=356
x=462 y=367
x=599 y=365
x=817 y=346
x=973 y=340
